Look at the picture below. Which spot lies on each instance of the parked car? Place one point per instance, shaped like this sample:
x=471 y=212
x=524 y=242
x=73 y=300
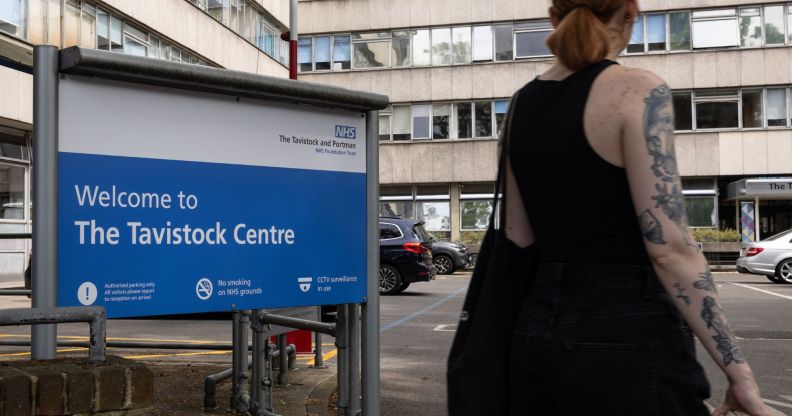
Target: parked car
x=449 y=257
x=771 y=257
x=405 y=254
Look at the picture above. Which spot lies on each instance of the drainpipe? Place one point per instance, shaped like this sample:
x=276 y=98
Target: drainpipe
x=293 y=40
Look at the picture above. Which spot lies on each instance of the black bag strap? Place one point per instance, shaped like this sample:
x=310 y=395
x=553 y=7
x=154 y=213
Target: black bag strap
x=500 y=182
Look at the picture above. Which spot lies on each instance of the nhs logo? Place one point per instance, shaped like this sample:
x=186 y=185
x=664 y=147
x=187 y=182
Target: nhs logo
x=345 y=132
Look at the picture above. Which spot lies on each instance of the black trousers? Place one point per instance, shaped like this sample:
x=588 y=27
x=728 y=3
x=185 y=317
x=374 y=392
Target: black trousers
x=603 y=340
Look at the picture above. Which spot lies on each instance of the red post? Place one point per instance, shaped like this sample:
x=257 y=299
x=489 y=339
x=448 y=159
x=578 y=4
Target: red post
x=293 y=59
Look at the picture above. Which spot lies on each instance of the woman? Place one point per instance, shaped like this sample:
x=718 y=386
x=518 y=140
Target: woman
x=607 y=327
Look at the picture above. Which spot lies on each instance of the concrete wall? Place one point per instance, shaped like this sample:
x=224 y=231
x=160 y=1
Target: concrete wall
x=437 y=162
x=735 y=153
x=16 y=99
x=187 y=25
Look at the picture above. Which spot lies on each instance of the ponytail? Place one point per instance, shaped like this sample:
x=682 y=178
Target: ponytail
x=581 y=38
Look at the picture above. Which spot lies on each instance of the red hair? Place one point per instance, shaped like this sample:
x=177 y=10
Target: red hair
x=581 y=37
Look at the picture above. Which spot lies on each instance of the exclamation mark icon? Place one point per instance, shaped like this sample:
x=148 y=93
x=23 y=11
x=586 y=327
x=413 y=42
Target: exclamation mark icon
x=86 y=293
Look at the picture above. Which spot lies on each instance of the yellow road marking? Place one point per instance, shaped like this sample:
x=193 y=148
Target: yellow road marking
x=81 y=338
x=22 y=354
x=326 y=356
x=186 y=354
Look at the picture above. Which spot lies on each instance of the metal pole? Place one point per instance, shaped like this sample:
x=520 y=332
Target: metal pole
x=240 y=360
x=354 y=360
x=45 y=193
x=342 y=345
x=293 y=40
x=318 y=356
x=370 y=331
x=260 y=357
x=757 y=221
x=283 y=368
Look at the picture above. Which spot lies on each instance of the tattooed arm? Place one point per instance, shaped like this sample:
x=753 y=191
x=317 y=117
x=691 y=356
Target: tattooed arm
x=650 y=161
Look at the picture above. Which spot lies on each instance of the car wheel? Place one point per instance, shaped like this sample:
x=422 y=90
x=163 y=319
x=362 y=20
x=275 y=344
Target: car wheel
x=443 y=264
x=784 y=271
x=774 y=279
x=390 y=280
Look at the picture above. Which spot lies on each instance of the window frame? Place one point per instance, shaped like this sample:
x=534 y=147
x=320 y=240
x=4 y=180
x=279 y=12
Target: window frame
x=696 y=99
x=516 y=31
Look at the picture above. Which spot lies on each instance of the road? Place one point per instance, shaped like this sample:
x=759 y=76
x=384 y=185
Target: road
x=417 y=330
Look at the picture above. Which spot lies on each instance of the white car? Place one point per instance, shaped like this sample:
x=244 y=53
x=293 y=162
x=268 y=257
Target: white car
x=771 y=257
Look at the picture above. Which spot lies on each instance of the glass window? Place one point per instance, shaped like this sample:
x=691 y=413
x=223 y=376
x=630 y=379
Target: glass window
x=750 y=27
x=341 y=53
x=322 y=53
x=715 y=28
x=304 y=54
x=441 y=46
x=679 y=33
x=774 y=25
x=683 y=111
x=462 y=50
x=789 y=23
x=116 y=34
x=464 y=118
x=401 y=122
x=700 y=211
x=441 y=121
x=389 y=231
x=656 y=32
x=482 y=43
x=422 y=48
x=13 y=146
x=11 y=17
x=421 y=121
x=384 y=127
x=636 y=44
x=102 y=30
x=501 y=108
x=403 y=209
x=435 y=215
x=400 y=49
x=12 y=192
x=371 y=54
x=752 y=108
x=717 y=110
x=88 y=26
x=475 y=214
x=215 y=8
x=134 y=47
x=504 y=42
x=483 y=118
x=533 y=43
x=776 y=107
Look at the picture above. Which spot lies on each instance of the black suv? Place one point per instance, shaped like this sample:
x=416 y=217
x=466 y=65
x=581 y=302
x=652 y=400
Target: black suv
x=405 y=254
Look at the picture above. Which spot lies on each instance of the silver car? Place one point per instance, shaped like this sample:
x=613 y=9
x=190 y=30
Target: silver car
x=771 y=257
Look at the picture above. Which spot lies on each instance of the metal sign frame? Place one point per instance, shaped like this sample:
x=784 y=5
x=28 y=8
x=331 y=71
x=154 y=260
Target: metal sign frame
x=49 y=63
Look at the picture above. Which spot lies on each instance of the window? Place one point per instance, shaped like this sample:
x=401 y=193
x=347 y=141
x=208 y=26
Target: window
x=102 y=30
x=636 y=44
x=441 y=46
x=116 y=34
x=475 y=206
x=715 y=28
x=433 y=207
x=12 y=192
x=464 y=119
x=717 y=109
x=341 y=53
x=400 y=49
x=752 y=109
x=12 y=18
x=501 y=108
x=441 y=121
x=483 y=118
x=774 y=25
x=371 y=50
x=384 y=126
x=504 y=42
x=750 y=27
x=679 y=31
x=482 y=43
x=701 y=211
x=530 y=39
x=422 y=48
x=462 y=49
x=304 y=53
x=401 y=122
x=789 y=23
x=656 y=32
x=322 y=53
x=389 y=231
x=683 y=111
x=421 y=121
x=776 y=107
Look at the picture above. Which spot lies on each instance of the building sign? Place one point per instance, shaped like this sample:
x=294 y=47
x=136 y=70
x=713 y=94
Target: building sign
x=763 y=188
x=179 y=202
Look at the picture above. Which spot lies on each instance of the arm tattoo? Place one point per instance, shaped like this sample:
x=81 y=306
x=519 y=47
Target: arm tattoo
x=659 y=135
x=725 y=344
x=706 y=282
x=681 y=293
x=651 y=227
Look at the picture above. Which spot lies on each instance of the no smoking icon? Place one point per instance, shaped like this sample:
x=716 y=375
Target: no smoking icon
x=204 y=289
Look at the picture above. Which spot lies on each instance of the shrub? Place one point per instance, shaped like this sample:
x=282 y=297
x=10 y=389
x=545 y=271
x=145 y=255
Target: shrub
x=711 y=235
x=472 y=237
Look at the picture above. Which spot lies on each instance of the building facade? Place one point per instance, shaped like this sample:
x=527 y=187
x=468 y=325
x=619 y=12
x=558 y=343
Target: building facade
x=242 y=35
x=450 y=67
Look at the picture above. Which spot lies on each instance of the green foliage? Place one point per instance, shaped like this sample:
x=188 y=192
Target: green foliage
x=472 y=237
x=711 y=235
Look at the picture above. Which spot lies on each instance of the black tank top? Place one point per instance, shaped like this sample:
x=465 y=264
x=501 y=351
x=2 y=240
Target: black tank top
x=578 y=203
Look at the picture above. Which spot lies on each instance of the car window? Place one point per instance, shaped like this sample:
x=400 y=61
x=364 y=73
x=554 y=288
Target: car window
x=787 y=233
x=420 y=232
x=389 y=231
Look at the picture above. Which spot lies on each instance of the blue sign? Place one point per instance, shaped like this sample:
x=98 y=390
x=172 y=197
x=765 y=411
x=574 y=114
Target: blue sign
x=346 y=132
x=147 y=226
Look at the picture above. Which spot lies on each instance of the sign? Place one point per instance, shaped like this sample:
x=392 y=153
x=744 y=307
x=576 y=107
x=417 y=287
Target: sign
x=769 y=187
x=179 y=202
